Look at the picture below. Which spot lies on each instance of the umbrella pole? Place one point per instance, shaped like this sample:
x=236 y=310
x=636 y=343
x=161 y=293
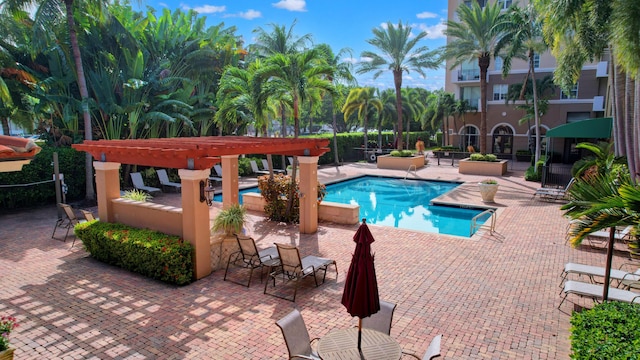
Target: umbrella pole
x=359 y=335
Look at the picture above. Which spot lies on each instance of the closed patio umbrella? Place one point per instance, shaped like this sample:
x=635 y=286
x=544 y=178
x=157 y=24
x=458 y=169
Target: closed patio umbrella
x=360 y=295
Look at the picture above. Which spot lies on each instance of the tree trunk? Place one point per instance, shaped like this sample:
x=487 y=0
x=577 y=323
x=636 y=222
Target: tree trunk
x=336 y=160
x=90 y=194
x=296 y=132
x=535 y=109
x=397 y=81
x=483 y=63
x=366 y=135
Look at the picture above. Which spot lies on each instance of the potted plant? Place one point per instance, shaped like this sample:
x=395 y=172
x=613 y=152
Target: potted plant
x=228 y=222
x=488 y=189
x=7 y=324
x=401 y=160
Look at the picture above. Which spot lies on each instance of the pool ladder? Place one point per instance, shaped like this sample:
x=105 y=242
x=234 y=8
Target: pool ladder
x=492 y=222
x=409 y=170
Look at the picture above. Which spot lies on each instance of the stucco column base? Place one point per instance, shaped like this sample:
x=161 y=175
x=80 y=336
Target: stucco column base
x=107 y=188
x=229 y=180
x=195 y=220
x=308 y=194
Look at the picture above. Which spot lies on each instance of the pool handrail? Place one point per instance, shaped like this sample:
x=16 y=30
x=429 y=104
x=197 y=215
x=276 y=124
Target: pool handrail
x=492 y=226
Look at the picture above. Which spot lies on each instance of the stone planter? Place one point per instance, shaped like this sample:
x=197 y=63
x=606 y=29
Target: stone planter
x=400 y=163
x=6 y=354
x=488 y=191
x=221 y=247
x=486 y=168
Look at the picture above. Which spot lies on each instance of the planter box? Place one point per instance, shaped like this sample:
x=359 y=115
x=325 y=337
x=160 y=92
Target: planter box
x=486 y=168
x=400 y=163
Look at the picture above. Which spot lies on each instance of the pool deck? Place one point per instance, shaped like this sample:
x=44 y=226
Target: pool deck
x=493 y=296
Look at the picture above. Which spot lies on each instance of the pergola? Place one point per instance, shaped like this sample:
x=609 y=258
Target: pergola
x=194 y=157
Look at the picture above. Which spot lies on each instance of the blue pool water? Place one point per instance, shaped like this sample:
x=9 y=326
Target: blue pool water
x=400 y=203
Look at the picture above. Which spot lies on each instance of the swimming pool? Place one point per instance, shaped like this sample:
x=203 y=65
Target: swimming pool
x=401 y=203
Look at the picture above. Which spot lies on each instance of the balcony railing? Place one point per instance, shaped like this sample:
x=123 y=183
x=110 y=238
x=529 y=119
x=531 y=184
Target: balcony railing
x=469 y=75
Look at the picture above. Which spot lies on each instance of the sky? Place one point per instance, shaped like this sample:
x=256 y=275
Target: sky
x=339 y=23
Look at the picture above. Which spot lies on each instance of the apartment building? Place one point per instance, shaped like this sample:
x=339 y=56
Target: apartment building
x=505 y=134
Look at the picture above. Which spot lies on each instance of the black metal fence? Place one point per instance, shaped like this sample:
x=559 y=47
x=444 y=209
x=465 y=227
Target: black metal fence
x=556 y=175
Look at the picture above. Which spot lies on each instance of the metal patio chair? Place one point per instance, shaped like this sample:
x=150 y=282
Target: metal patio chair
x=251 y=258
x=68 y=221
x=296 y=336
x=381 y=321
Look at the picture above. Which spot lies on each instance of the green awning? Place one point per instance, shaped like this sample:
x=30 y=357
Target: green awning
x=598 y=128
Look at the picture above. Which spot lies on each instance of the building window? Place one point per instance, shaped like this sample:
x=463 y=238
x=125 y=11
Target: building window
x=472 y=95
x=482 y=3
x=503 y=140
x=504 y=4
x=500 y=91
x=498 y=63
x=469 y=136
x=536 y=60
x=573 y=93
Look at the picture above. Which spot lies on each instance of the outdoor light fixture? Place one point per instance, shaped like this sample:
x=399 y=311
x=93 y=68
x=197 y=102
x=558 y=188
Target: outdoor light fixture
x=206 y=193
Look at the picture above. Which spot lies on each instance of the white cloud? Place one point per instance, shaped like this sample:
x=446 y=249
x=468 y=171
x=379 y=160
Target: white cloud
x=366 y=59
x=248 y=15
x=426 y=15
x=291 y=5
x=350 y=60
x=384 y=25
x=434 y=31
x=206 y=9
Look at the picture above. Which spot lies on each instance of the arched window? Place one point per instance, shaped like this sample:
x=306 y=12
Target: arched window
x=469 y=136
x=503 y=140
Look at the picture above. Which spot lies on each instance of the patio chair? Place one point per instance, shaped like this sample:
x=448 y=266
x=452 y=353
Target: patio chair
x=594 y=292
x=294 y=268
x=296 y=336
x=553 y=193
x=256 y=170
x=381 y=321
x=629 y=278
x=265 y=165
x=68 y=221
x=138 y=183
x=250 y=257
x=165 y=182
x=88 y=215
x=598 y=239
x=433 y=351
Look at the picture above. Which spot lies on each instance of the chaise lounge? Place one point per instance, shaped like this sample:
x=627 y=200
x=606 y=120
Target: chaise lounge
x=594 y=292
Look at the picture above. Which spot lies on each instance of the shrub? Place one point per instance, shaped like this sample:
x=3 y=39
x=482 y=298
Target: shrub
x=401 y=153
x=483 y=157
x=275 y=190
x=137 y=195
x=156 y=255
x=230 y=220
x=610 y=330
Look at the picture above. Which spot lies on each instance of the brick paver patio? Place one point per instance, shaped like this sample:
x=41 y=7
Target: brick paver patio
x=492 y=296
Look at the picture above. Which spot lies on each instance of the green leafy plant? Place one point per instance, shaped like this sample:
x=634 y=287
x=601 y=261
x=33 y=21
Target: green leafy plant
x=489 y=181
x=137 y=195
x=7 y=324
x=523 y=152
x=610 y=330
x=275 y=190
x=401 y=153
x=483 y=157
x=230 y=220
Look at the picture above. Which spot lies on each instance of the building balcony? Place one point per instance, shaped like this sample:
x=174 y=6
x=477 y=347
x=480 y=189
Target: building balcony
x=465 y=76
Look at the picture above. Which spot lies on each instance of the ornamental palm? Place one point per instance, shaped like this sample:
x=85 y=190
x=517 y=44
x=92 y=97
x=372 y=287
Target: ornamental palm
x=522 y=38
x=398 y=55
x=365 y=101
x=475 y=37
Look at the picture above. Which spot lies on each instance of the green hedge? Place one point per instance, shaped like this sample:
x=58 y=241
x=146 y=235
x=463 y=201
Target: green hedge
x=71 y=164
x=609 y=331
x=156 y=255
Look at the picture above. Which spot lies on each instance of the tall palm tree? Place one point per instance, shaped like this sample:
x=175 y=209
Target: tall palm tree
x=396 y=53
x=441 y=105
x=522 y=38
x=365 y=101
x=460 y=108
x=474 y=37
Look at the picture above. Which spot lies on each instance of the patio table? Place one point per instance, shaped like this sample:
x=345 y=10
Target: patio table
x=343 y=345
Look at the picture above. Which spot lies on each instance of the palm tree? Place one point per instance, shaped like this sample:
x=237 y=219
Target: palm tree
x=440 y=106
x=364 y=100
x=475 y=37
x=522 y=38
x=396 y=43
x=460 y=108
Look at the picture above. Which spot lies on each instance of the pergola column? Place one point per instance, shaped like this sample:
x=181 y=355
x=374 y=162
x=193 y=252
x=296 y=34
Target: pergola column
x=107 y=188
x=229 y=180
x=308 y=194
x=195 y=219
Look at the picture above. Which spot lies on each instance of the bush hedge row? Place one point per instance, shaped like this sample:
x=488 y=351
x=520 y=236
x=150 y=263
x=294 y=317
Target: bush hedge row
x=150 y=253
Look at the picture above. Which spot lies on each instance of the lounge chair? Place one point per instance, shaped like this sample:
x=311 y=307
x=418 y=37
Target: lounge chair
x=433 y=351
x=256 y=170
x=250 y=257
x=138 y=183
x=68 y=221
x=381 y=321
x=599 y=239
x=294 y=268
x=596 y=271
x=553 y=193
x=265 y=165
x=296 y=336
x=165 y=182
x=88 y=215
x=594 y=292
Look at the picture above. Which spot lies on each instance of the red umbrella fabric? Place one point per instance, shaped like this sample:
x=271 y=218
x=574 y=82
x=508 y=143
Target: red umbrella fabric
x=360 y=295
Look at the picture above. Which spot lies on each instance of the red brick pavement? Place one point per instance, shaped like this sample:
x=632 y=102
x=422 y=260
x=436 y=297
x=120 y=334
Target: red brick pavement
x=492 y=296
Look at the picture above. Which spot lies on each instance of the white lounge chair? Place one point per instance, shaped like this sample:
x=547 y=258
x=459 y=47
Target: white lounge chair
x=164 y=180
x=553 y=193
x=138 y=183
x=594 y=292
x=265 y=165
x=601 y=237
x=218 y=171
x=256 y=170
x=596 y=271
